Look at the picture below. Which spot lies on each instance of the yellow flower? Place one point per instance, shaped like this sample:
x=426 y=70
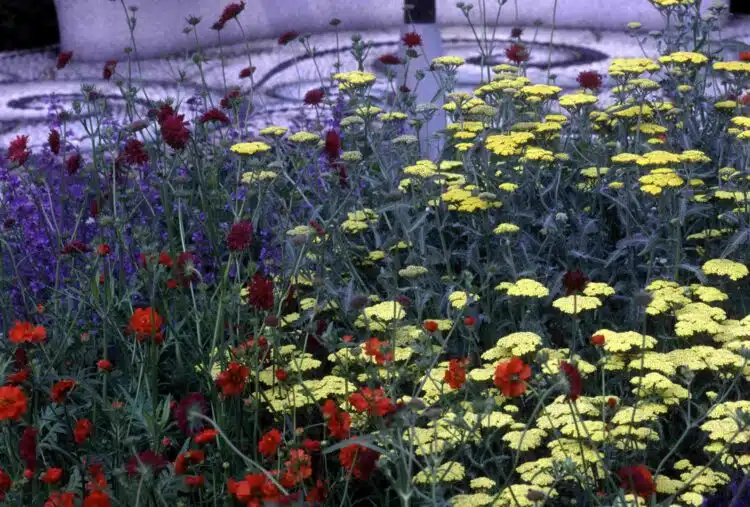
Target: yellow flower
x=541 y=90
x=450 y=471
x=577 y=100
x=598 y=289
x=354 y=79
x=526 y=287
x=386 y=311
x=448 y=61
x=250 y=148
x=725 y=267
x=520 y=440
x=636 y=66
x=682 y=57
x=506 y=228
x=574 y=304
x=274 y=130
x=412 y=271
x=482 y=483
x=304 y=137
x=459 y=299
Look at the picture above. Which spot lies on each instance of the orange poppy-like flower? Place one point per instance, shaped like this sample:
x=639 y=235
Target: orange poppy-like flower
x=82 y=430
x=61 y=389
x=455 y=375
x=52 y=476
x=13 y=403
x=186 y=459
x=431 y=326
x=511 y=376
x=23 y=332
x=145 y=323
x=638 y=480
x=206 y=437
x=232 y=381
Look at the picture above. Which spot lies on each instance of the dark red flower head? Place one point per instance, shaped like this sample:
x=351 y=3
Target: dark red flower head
x=148 y=460
x=358 y=460
x=75 y=247
x=164 y=112
x=287 y=37
x=27 y=447
x=193 y=403
x=332 y=145
x=590 y=80
x=174 y=131
x=54 y=141
x=516 y=32
x=232 y=97
x=18 y=150
x=637 y=479
x=246 y=72
x=411 y=39
x=390 y=59
x=133 y=152
x=575 y=382
x=231 y=11
x=744 y=56
x=109 y=69
x=517 y=53
x=63 y=58
x=240 y=236
x=73 y=163
x=314 y=97
x=260 y=294
x=574 y=281
x=214 y=115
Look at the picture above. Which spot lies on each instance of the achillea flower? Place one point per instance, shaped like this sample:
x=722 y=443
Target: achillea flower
x=390 y=59
x=174 y=131
x=232 y=381
x=339 y=421
x=270 y=443
x=26 y=332
x=185 y=410
x=517 y=53
x=63 y=58
x=358 y=460
x=412 y=39
x=18 y=150
x=314 y=97
x=511 y=376
x=240 y=236
x=574 y=380
x=147 y=460
x=637 y=479
x=109 y=69
x=73 y=163
x=287 y=37
x=54 y=141
x=13 y=403
x=146 y=323
x=133 y=152
x=82 y=430
x=231 y=11
x=247 y=72
x=214 y=115
x=455 y=375
x=590 y=80
x=61 y=389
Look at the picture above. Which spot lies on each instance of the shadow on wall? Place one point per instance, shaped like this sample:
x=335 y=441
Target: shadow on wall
x=739 y=6
x=26 y=24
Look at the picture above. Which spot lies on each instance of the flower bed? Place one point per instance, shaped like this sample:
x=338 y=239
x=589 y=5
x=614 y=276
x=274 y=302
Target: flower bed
x=555 y=311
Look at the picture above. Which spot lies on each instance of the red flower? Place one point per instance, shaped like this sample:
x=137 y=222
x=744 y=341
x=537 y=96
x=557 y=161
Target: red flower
x=63 y=58
x=379 y=350
x=174 y=131
x=575 y=382
x=511 y=376
x=339 y=422
x=109 y=69
x=5 y=484
x=18 y=377
x=214 y=115
x=637 y=480
x=164 y=112
x=411 y=39
x=73 y=163
x=574 y=281
x=13 y=403
x=192 y=403
x=254 y=490
x=590 y=80
x=311 y=446
x=261 y=292
x=390 y=59
x=517 y=53
x=455 y=375
x=270 y=443
x=75 y=247
x=318 y=493
x=232 y=380
x=60 y=390
x=133 y=153
x=103 y=250
x=404 y=89
x=165 y=260
x=240 y=236
x=18 y=150
x=231 y=11
x=148 y=460
x=186 y=459
x=206 y=437
x=52 y=476
x=598 y=340
x=58 y=499
x=27 y=444
x=469 y=321
x=231 y=98
x=97 y=498
x=287 y=37
x=54 y=141
x=374 y=402
x=314 y=97
x=358 y=460
x=744 y=56
x=332 y=145
x=298 y=468
x=146 y=323
x=281 y=375
x=104 y=365
x=26 y=332
x=516 y=32
x=82 y=430
x=195 y=481
x=246 y=72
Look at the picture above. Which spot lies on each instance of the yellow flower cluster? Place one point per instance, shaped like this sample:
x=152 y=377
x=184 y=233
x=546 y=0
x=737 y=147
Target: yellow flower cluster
x=250 y=148
x=524 y=287
x=725 y=267
x=358 y=221
x=634 y=66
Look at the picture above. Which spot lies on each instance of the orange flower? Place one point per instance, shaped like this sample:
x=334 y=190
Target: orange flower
x=379 y=350
x=455 y=375
x=82 y=430
x=270 y=442
x=637 y=479
x=186 y=459
x=431 y=326
x=745 y=56
x=52 y=476
x=13 y=403
x=511 y=376
x=58 y=499
x=97 y=498
x=145 y=323
x=232 y=381
x=598 y=340
x=195 y=481
x=23 y=332
x=206 y=437
x=61 y=389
